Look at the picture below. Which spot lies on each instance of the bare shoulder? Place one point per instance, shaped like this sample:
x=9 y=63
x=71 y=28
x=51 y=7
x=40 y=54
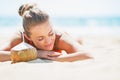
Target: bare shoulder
x=68 y=43
x=13 y=41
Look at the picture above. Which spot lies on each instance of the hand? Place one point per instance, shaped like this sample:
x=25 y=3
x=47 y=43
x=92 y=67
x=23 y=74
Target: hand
x=51 y=55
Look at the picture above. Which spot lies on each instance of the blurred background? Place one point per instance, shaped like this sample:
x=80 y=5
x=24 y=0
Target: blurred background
x=75 y=16
x=96 y=21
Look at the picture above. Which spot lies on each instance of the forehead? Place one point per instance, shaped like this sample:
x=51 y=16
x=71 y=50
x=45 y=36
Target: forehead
x=40 y=29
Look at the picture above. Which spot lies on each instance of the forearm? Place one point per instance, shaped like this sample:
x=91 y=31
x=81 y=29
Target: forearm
x=73 y=57
x=4 y=56
x=47 y=54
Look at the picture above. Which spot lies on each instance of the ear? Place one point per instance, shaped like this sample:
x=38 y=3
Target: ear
x=27 y=37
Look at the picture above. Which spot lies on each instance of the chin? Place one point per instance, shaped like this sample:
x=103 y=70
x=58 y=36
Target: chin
x=49 y=49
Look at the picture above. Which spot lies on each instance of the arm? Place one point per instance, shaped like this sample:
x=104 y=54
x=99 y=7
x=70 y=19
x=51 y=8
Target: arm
x=51 y=55
x=5 y=51
x=4 y=56
x=74 y=50
x=5 y=48
x=73 y=57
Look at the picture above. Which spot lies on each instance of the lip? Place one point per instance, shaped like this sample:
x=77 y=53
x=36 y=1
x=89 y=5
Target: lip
x=48 y=45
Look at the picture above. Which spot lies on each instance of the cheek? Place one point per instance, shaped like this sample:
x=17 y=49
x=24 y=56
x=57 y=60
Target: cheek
x=39 y=44
x=53 y=38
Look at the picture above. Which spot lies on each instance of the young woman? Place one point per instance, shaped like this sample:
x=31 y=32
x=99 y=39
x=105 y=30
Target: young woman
x=39 y=33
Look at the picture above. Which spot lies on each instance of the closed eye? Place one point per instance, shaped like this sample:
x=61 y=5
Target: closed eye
x=51 y=34
x=40 y=38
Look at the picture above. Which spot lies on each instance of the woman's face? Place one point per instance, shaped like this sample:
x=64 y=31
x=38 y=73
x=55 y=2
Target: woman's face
x=43 y=36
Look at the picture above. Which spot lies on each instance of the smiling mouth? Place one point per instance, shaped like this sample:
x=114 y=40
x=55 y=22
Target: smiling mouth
x=49 y=45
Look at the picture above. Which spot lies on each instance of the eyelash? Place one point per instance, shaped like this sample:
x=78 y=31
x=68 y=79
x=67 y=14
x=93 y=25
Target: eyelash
x=51 y=34
x=40 y=39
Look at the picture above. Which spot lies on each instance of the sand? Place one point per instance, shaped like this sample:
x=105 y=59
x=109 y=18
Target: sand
x=105 y=48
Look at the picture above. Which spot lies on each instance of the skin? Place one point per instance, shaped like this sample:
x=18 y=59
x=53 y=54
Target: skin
x=44 y=38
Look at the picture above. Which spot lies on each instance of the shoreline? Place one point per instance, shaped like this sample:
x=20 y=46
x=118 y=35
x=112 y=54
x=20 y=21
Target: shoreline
x=76 y=32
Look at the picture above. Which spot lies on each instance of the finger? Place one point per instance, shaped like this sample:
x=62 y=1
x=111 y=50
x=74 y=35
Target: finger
x=51 y=58
x=55 y=54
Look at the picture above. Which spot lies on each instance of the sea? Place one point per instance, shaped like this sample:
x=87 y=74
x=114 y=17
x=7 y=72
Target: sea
x=111 y=21
x=93 y=25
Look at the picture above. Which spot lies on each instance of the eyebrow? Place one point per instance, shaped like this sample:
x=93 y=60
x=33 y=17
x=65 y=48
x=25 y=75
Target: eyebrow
x=48 y=33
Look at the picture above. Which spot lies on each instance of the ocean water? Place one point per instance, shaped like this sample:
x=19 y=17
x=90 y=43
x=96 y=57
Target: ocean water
x=74 y=25
x=12 y=21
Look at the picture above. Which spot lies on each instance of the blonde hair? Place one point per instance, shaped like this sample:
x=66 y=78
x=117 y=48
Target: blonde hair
x=31 y=16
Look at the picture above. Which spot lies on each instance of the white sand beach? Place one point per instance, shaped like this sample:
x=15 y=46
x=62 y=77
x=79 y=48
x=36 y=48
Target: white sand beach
x=102 y=43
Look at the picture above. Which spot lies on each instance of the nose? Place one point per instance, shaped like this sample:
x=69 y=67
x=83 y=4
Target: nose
x=48 y=40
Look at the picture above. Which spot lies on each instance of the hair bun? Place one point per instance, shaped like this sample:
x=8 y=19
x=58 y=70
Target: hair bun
x=26 y=7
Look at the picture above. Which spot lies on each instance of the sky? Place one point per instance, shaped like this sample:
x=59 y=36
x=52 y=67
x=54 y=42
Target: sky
x=65 y=7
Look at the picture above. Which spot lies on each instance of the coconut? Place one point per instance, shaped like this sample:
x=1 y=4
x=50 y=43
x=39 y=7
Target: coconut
x=23 y=52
